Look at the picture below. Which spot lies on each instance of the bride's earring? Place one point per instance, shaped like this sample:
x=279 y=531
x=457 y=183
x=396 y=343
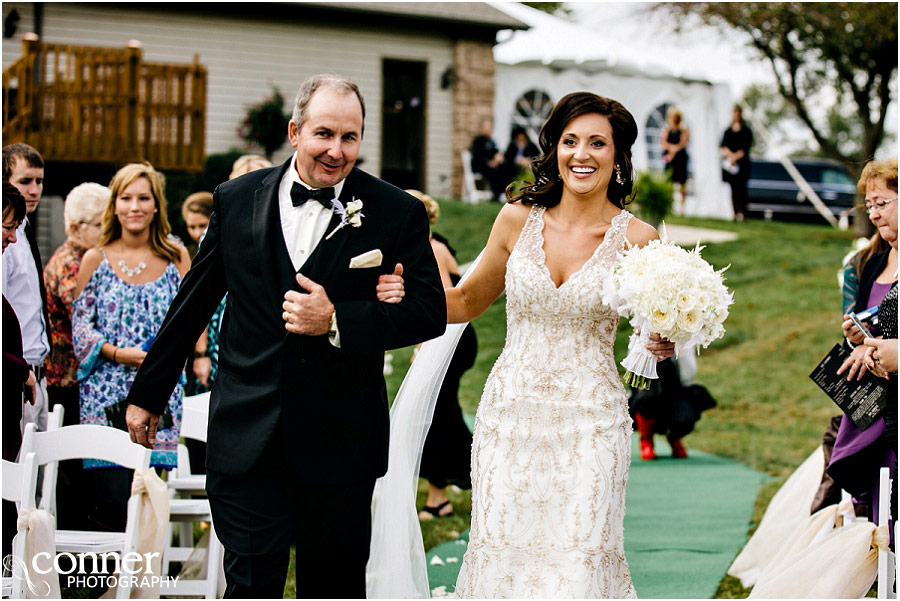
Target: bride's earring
x=619 y=179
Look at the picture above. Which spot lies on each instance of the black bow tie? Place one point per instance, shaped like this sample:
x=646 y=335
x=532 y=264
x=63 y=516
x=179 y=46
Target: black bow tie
x=300 y=194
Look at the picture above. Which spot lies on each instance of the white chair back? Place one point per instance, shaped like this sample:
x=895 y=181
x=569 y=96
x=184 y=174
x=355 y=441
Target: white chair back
x=471 y=193
x=19 y=486
x=85 y=441
x=195 y=416
x=51 y=470
x=887 y=559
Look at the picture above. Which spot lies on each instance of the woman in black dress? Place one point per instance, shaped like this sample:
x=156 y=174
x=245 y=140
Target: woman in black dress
x=446 y=457
x=735 y=146
x=674 y=141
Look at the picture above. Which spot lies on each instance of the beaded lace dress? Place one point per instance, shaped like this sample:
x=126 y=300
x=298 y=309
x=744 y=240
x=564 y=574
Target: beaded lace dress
x=552 y=439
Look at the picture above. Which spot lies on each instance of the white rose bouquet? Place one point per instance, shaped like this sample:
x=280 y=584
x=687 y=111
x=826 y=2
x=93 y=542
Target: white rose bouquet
x=664 y=289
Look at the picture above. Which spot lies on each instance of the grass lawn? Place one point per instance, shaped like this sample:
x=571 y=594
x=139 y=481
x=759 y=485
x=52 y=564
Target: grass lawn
x=785 y=317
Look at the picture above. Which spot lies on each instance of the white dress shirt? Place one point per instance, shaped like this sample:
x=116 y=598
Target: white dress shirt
x=303 y=226
x=22 y=290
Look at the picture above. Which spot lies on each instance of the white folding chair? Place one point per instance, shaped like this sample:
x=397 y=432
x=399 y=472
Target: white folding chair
x=887 y=560
x=93 y=442
x=19 y=486
x=471 y=193
x=51 y=470
x=187 y=511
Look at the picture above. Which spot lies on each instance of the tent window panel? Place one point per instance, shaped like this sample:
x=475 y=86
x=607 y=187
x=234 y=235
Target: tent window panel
x=531 y=111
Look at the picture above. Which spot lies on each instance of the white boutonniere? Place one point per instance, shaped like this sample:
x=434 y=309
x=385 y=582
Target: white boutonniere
x=351 y=214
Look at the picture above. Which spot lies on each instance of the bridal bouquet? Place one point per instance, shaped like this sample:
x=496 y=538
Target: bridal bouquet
x=664 y=289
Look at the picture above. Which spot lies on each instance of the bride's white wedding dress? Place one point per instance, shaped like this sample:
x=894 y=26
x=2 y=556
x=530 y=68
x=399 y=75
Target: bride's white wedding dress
x=552 y=439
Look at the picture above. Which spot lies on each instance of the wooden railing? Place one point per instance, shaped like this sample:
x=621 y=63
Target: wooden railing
x=105 y=105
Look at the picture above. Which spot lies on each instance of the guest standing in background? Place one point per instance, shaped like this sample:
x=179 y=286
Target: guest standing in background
x=735 y=147
x=18 y=379
x=196 y=211
x=83 y=215
x=23 y=167
x=446 y=457
x=674 y=140
x=124 y=288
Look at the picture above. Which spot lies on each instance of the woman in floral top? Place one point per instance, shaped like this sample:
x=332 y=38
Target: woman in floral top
x=124 y=289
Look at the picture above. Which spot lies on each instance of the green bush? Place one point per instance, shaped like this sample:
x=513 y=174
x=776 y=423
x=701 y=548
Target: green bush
x=654 y=196
x=180 y=185
x=266 y=124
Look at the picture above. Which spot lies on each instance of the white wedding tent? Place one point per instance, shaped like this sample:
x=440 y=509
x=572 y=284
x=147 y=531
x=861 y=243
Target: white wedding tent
x=537 y=67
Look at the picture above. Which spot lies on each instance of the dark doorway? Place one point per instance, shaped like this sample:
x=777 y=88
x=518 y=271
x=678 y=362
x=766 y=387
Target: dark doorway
x=403 y=123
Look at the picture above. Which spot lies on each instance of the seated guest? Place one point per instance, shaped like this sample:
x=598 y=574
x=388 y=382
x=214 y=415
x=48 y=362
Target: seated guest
x=519 y=154
x=859 y=454
x=83 y=216
x=488 y=161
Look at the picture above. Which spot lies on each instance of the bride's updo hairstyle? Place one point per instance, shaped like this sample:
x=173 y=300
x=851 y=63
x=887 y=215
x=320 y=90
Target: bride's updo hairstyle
x=547 y=188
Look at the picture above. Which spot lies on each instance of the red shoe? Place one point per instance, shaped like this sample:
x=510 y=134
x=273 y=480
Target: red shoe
x=647 y=452
x=678 y=450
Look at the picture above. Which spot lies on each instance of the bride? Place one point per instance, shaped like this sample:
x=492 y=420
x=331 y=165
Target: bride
x=552 y=439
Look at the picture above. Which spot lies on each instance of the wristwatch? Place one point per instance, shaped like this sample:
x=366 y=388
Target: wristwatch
x=332 y=328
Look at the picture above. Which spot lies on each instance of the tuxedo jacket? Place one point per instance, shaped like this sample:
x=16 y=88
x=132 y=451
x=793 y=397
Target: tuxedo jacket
x=329 y=403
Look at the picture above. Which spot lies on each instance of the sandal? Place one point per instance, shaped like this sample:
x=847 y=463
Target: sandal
x=436 y=511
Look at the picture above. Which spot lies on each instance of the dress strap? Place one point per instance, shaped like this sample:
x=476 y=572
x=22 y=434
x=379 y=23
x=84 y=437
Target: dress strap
x=619 y=229
x=530 y=241
x=103 y=252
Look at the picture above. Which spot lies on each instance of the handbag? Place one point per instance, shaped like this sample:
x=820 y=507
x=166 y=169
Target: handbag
x=115 y=415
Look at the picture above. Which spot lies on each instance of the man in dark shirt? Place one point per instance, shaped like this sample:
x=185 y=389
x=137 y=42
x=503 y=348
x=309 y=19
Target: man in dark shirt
x=488 y=160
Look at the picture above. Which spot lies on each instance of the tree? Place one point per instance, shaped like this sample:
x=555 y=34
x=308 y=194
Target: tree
x=266 y=124
x=840 y=55
x=558 y=9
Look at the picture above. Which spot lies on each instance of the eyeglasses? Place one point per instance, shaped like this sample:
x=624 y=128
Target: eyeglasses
x=878 y=205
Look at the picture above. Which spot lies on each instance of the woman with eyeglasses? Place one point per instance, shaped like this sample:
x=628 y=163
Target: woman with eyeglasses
x=858 y=454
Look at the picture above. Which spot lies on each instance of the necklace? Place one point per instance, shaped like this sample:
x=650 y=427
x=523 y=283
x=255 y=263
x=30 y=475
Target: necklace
x=131 y=272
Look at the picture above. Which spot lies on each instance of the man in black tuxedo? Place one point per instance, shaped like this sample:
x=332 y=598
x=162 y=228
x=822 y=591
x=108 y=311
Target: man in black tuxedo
x=298 y=422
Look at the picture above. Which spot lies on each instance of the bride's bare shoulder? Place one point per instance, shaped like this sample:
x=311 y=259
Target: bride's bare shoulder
x=513 y=215
x=640 y=233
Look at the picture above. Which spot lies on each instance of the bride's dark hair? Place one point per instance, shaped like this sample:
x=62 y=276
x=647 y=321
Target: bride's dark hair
x=547 y=188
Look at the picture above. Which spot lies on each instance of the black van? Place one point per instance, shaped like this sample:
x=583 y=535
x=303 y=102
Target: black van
x=771 y=190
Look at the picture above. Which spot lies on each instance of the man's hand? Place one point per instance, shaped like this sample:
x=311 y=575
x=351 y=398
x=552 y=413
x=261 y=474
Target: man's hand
x=308 y=314
x=141 y=426
x=30 y=386
x=390 y=287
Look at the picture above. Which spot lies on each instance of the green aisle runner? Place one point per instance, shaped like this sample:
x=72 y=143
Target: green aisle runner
x=685 y=521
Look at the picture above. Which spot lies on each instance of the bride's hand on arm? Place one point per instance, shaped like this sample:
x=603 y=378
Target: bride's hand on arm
x=473 y=296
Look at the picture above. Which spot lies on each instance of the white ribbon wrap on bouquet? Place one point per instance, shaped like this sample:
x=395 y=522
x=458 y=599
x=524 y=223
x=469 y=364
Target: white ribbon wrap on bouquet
x=639 y=360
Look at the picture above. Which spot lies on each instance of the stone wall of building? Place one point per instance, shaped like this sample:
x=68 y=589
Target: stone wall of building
x=473 y=99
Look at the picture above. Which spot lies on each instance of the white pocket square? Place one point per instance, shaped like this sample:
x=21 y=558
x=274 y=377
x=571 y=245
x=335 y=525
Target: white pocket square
x=371 y=258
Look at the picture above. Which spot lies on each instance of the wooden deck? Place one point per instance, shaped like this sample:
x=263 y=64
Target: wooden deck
x=105 y=105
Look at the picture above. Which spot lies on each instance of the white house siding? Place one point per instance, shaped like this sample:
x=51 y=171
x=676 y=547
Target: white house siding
x=706 y=109
x=246 y=57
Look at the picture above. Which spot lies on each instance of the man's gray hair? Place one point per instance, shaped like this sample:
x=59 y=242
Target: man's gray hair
x=324 y=80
